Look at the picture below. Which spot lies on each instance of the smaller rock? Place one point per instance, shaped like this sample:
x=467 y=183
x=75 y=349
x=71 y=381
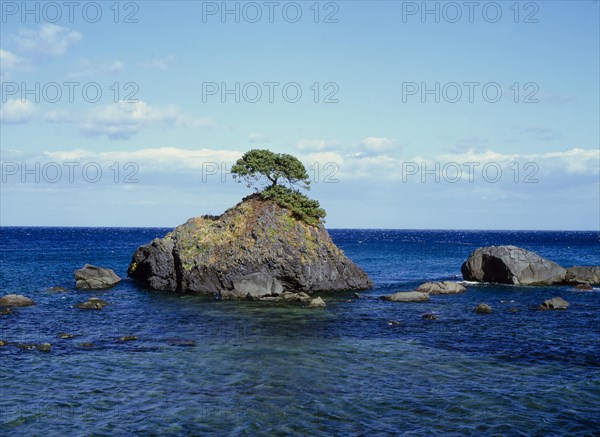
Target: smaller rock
x=15 y=300
x=429 y=316
x=586 y=287
x=44 y=347
x=181 y=342
x=5 y=311
x=92 y=303
x=483 y=308
x=393 y=323
x=442 y=287
x=317 y=302
x=514 y=310
x=407 y=296
x=65 y=336
x=95 y=278
x=26 y=346
x=87 y=345
x=58 y=289
x=356 y=296
x=556 y=303
x=3 y=343
x=128 y=338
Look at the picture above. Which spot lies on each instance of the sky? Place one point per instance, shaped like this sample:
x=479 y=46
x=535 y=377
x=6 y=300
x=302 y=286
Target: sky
x=407 y=115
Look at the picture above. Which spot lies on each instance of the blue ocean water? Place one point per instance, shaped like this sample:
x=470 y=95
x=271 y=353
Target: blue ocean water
x=202 y=366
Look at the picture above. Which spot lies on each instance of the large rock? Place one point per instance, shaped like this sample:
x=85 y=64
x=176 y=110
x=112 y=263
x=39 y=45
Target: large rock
x=212 y=254
x=15 y=300
x=556 y=303
x=95 y=278
x=442 y=287
x=583 y=275
x=407 y=296
x=511 y=265
x=254 y=286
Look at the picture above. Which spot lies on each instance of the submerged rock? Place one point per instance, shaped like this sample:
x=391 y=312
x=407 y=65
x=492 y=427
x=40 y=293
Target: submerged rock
x=583 y=275
x=95 y=278
x=511 y=265
x=15 y=300
x=42 y=347
x=586 y=287
x=5 y=311
x=3 y=343
x=429 y=316
x=92 y=303
x=483 y=308
x=64 y=336
x=58 y=289
x=442 y=287
x=407 y=296
x=257 y=236
x=556 y=303
x=128 y=338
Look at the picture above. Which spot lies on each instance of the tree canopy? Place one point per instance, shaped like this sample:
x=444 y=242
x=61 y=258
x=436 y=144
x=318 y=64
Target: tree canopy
x=277 y=168
x=281 y=173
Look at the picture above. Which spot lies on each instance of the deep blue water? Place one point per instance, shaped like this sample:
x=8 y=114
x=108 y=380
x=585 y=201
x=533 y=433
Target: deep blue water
x=256 y=368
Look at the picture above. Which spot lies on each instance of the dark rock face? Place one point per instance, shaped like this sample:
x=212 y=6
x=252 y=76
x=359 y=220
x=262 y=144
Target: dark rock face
x=511 y=265
x=583 y=275
x=218 y=255
x=95 y=278
x=253 y=286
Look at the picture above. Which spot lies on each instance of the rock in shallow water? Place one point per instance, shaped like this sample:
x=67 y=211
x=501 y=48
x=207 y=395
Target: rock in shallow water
x=556 y=303
x=317 y=303
x=95 y=278
x=208 y=254
x=483 y=308
x=15 y=300
x=92 y=303
x=442 y=287
x=407 y=296
x=583 y=275
x=511 y=265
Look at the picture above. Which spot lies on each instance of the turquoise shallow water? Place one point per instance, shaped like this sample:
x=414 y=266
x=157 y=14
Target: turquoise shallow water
x=240 y=368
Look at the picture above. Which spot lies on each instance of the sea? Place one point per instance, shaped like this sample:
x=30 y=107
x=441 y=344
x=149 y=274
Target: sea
x=361 y=366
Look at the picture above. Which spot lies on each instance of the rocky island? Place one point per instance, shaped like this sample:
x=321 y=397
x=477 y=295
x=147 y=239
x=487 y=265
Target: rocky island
x=270 y=243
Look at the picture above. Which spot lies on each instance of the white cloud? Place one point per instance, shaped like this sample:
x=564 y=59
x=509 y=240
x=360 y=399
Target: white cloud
x=376 y=146
x=49 y=40
x=93 y=67
x=254 y=138
x=157 y=159
x=122 y=120
x=159 y=63
x=317 y=145
x=59 y=116
x=16 y=112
